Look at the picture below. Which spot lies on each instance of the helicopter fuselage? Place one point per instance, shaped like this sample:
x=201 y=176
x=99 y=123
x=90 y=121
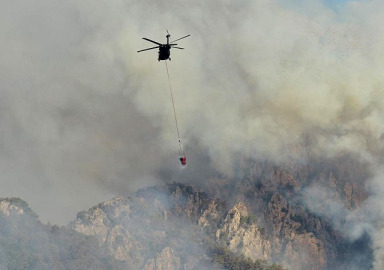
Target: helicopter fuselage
x=164 y=52
x=164 y=49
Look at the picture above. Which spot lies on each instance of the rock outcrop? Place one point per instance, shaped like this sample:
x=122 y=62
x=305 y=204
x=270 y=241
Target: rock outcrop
x=25 y=243
x=268 y=222
x=7 y=207
x=278 y=196
x=241 y=235
x=165 y=227
x=271 y=213
x=110 y=223
x=165 y=260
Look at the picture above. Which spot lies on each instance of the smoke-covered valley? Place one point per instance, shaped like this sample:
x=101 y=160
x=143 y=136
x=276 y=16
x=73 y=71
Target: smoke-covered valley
x=263 y=88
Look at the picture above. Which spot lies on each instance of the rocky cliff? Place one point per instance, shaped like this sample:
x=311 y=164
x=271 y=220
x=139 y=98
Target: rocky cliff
x=25 y=243
x=174 y=226
x=271 y=217
x=152 y=231
x=293 y=204
x=265 y=217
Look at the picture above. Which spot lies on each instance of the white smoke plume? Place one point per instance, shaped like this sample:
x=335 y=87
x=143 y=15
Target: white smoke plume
x=353 y=223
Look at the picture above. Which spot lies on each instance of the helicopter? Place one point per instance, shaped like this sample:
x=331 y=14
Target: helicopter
x=164 y=49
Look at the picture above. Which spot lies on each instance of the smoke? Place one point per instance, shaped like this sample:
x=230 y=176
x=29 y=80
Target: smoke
x=84 y=117
x=374 y=211
x=363 y=225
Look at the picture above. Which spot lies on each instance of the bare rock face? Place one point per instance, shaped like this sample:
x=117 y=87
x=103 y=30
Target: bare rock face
x=165 y=227
x=186 y=202
x=265 y=215
x=105 y=222
x=26 y=243
x=298 y=247
x=242 y=235
x=300 y=236
x=97 y=228
x=210 y=216
x=16 y=214
x=123 y=245
x=156 y=230
x=6 y=208
x=305 y=251
x=165 y=260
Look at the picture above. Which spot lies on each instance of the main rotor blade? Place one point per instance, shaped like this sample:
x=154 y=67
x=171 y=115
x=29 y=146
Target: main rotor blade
x=149 y=49
x=147 y=39
x=178 y=48
x=174 y=44
x=181 y=38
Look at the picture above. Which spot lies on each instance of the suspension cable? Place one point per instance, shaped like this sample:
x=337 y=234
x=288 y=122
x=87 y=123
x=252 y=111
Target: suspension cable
x=173 y=102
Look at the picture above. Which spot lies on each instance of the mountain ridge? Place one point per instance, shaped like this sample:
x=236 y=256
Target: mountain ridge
x=273 y=217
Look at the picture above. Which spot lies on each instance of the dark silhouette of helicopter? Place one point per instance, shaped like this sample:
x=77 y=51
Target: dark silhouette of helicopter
x=164 y=49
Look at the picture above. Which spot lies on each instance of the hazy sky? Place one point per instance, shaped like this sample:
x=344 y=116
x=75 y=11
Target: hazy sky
x=85 y=118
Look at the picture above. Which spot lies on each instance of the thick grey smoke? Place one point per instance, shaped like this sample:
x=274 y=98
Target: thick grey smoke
x=84 y=117
x=354 y=224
